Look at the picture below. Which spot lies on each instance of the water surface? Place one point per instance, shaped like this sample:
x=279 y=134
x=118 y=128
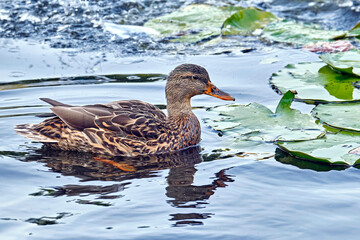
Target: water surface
x=57 y=195
x=61 y=49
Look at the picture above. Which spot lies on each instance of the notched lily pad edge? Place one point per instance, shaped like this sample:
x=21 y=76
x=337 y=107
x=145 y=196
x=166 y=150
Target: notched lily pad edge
x=333 y=128
x=309 y=101
x=326 y=58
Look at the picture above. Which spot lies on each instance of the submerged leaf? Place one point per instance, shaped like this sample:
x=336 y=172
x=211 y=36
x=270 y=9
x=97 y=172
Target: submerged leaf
x=258 y=123
x=247 y=20
x=192 y=23
x=342 y=116
x=316 y=82
x=297 y=33
x=334 y=148
x=347 y=62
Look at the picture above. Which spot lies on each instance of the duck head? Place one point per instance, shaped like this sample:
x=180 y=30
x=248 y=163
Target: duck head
x=188 y=80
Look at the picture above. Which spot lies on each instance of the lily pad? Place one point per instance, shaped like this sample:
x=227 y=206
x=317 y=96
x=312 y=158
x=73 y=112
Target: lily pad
x=287 y=31
x=316 y=82
x=258 y=123
x=347 y=62
x=334 y=148
x=247 y=20
x=341 y=116
x=354 y=32
x=192 y=23
x=286 y=158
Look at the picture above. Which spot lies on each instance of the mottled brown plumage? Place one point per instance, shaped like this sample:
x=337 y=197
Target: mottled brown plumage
x=129 y=128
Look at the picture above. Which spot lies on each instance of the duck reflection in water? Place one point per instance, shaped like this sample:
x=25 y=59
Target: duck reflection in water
x=180 y=190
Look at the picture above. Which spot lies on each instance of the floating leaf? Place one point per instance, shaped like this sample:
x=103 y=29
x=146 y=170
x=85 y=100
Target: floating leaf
x=257 y=122
x=354 y=32
x=342 y=116
x=247 y=20
x=192 y=23
x=348 y=62
x=297 y=33
x=316 y=82
x=334 y=148
x=286 y=158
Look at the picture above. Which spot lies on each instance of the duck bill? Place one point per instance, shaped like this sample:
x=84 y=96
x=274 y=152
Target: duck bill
x=215 y=92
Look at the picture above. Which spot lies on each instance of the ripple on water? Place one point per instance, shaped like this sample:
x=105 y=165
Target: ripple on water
x=16 y=74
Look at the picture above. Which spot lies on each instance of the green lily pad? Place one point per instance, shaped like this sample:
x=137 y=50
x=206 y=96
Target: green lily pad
x=354 y=32
x=297 y=33
x=247 y=20
x=256 y=122
x=347 y=62
x=316 y=82
x=286 y=158
x=334 y=148
x=341 y=116
x=192 y=23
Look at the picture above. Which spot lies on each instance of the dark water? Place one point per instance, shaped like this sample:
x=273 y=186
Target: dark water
x=85 y=23
x=202 y=193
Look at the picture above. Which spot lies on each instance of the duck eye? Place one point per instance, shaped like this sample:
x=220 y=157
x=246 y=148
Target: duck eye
x=196 y=77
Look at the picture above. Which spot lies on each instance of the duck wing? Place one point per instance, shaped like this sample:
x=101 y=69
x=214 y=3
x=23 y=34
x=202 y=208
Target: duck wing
x=128 y=119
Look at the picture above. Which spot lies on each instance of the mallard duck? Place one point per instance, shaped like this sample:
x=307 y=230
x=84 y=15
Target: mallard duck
x=129 y=128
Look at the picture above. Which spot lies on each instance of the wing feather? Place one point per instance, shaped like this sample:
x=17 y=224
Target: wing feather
x=75 y=117
x=126 y=119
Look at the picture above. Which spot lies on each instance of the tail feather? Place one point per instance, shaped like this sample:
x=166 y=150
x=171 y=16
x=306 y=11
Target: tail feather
x=54 y=102
x=28 y=131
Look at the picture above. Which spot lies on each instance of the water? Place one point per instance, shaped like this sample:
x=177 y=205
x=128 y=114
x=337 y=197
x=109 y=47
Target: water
x=201 y=193
x=85 y=23
x=56 y=195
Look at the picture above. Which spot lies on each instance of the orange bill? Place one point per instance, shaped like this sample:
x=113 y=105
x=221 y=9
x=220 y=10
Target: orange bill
x=215 y=92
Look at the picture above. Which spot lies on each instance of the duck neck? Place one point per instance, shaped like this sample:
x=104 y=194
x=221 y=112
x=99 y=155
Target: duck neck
x=177 y=108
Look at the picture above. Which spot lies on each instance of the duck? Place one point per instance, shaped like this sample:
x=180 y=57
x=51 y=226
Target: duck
x=129 y=128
